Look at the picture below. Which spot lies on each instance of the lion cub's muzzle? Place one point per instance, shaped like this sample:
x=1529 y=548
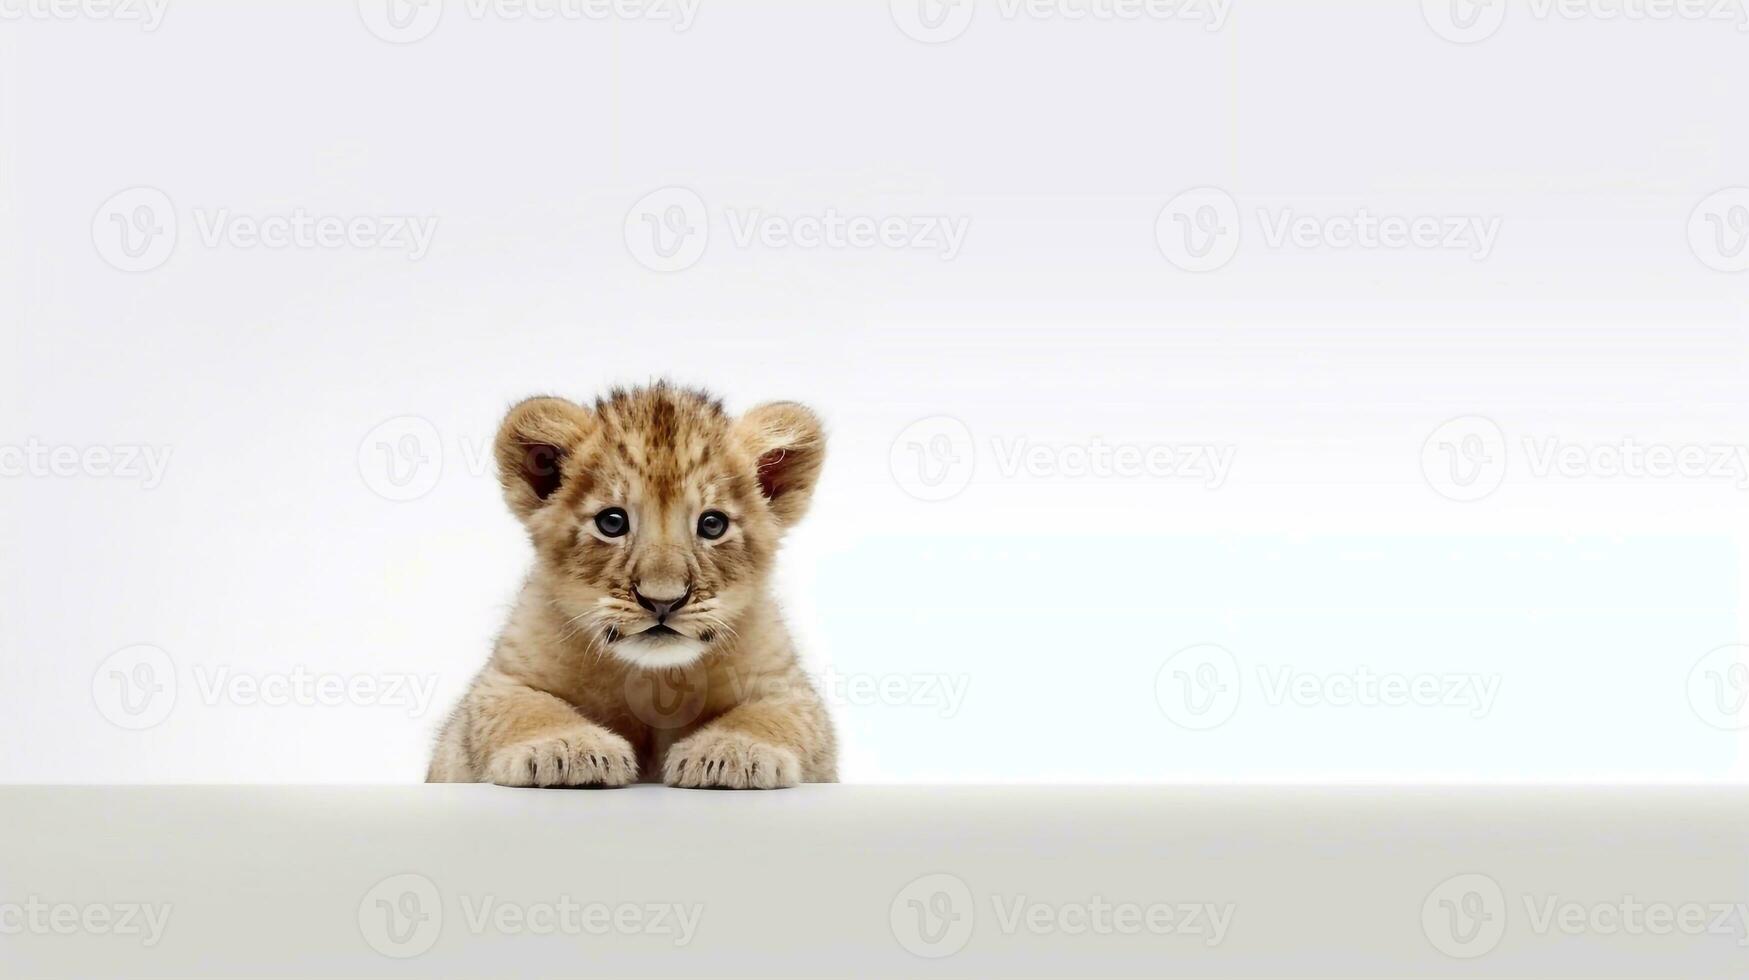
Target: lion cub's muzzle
x=660 y=607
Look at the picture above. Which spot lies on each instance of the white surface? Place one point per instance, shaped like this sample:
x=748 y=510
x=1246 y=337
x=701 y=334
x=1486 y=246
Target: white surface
x=268 y=553
x=819 y=881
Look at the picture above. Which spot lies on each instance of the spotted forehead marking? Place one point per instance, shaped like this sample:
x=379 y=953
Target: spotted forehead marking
x=670 y=440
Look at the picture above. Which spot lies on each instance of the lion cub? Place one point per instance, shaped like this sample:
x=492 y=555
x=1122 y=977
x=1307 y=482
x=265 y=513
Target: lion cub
x=646 y=640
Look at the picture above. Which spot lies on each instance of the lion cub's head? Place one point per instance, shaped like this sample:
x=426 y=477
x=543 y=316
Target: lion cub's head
x=655 y=514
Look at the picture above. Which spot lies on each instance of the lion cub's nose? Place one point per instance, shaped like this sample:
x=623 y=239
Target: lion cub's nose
x=660 y=608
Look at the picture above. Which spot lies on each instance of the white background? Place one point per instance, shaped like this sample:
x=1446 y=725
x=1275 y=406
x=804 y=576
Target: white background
x=1053 y=600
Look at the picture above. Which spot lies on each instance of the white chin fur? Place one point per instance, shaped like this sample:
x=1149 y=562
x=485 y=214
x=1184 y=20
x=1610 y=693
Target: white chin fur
x=672 y=651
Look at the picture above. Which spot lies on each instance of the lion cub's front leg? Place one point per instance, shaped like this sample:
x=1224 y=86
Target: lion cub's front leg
x=757 y=745
x=513 y=735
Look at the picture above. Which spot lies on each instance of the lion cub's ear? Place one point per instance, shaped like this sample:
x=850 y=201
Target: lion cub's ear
x=534 y=442
x=788 y=445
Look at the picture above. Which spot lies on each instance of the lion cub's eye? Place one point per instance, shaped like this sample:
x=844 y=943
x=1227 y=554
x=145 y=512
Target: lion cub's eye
x=612 y=522
x=713 y=524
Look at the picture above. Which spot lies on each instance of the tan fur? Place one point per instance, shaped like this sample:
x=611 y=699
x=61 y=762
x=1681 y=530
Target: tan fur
x=571 y=695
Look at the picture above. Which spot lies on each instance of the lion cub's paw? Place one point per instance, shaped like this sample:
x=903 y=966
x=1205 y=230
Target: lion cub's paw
x=583 y=757
x=730 y=760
